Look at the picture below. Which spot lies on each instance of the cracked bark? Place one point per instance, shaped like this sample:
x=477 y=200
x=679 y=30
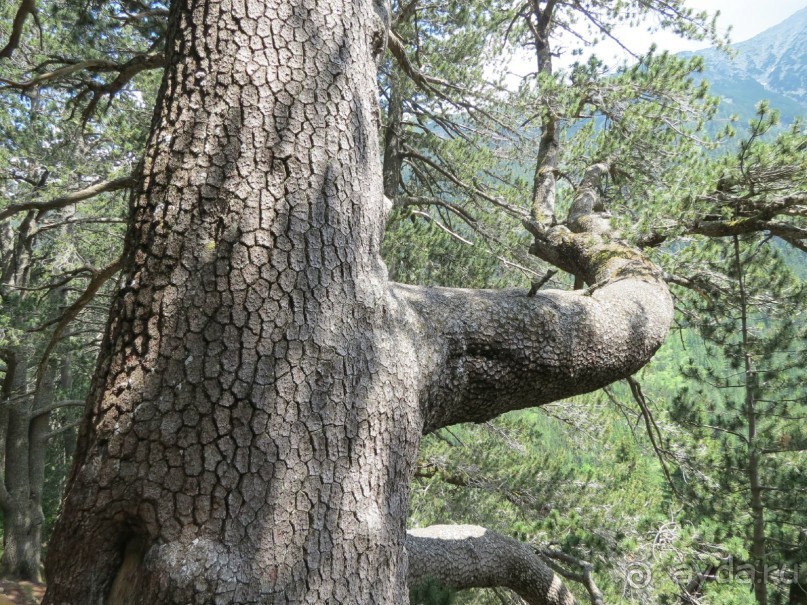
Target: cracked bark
x=469 y=556
x=262 y=388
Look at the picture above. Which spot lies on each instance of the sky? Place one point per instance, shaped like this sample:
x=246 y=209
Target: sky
x=747 y=18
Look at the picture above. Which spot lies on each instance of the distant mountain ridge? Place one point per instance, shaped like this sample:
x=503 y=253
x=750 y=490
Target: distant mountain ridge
x=772 y=65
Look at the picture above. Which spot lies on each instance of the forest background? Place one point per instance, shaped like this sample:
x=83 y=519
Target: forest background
x=677 y=485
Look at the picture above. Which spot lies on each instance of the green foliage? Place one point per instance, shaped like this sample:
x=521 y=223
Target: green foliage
x=60 y=132
x=572 y=476
x=596 y=490
x=431 y=592
x=738 y=420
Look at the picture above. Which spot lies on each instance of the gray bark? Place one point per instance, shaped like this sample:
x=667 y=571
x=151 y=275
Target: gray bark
x=23 y=470
x=240 y=430
x=469 y=556
x=262 y=388
x=489 y=352
x=392 y=140
x=545 y=181
x=22 y=430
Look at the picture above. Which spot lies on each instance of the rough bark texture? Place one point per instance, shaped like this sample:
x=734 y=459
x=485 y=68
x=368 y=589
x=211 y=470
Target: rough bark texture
x=469 y=556
x=546 y=165
x=262 y=388
x=494 y=351
x=240 y=429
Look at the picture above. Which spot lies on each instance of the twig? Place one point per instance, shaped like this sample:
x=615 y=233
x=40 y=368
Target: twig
x=536 y=285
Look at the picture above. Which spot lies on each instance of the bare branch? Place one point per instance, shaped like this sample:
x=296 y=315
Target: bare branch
x=67 y=403
x=61 y=72
x=98 y=280
x=424 y=81
x=128 y=71
x=62 y=429
x=27 y=8
x=585 y=577
x=652 y=428
x=404 y=13
x=70 y=198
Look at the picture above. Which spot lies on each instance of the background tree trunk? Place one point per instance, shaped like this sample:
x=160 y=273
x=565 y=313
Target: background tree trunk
x=20 y=553
x=24 y=428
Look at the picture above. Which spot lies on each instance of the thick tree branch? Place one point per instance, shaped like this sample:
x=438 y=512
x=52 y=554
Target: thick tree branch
x=756 y=218
x=468 y=556
x=27 y=8
x=490 y=352
x=68 y=199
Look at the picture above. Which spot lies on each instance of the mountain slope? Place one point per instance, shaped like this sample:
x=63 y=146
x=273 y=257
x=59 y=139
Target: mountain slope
x=771 y=65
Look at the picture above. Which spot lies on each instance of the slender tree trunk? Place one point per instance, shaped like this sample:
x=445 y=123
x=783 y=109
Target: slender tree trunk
x=22 y=523
x=546 y=165
x=23 y=441
x=65 y=388
x=38 y=429
x=392 y=139
x=758 y=549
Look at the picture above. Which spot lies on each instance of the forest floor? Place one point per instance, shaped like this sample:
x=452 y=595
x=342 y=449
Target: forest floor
x=20 y=593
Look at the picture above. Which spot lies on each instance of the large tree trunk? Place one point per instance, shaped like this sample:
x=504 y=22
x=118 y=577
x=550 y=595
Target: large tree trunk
x=262 y=388
x=241 y=436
